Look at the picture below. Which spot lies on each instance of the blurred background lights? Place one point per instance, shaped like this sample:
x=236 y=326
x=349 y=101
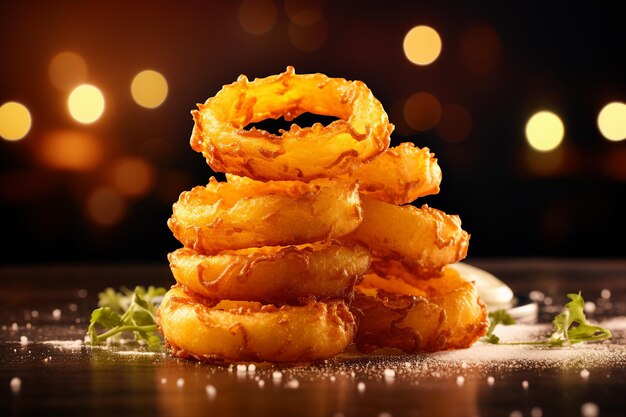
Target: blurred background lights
x=308 y=37
x=544 y=131
x=149 y=89
x=67 y=70
x=70 y=150
x=86 y=103
x=257 y=16
x=480 y=49
x=132 y=176
x=422 y=111
x=422 y=45
x=612 y=121
x=304 y=12
x=15 y=121
x=105 y=206
x=455 y=124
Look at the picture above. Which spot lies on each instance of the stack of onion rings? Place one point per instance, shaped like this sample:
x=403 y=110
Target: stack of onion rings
x=308 y=233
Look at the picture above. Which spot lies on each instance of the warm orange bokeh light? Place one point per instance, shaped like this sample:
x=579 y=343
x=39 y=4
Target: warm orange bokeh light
x=149 y=89
x=480 y=49
x=308 y=37
x=70 y=150
x=15 y=121
x=422 y=45
x=257 y=16
x=86 y=103
x=67 y=70
x=455 y=124
x=422 y=111
x=105 y=206
x=132 y=176
x=304 y=12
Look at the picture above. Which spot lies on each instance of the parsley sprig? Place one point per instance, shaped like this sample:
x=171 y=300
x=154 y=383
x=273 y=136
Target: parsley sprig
x=126 y=312
x=569 y=327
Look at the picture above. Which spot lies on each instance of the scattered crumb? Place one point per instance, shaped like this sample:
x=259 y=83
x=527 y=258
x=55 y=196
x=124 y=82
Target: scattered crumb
x=491 y=380
x=460 y=380
x=360 y=387
x=584 y=374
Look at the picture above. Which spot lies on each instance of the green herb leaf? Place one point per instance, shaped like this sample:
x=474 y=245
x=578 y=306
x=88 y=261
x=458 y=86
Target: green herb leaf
x=571 y=326
x=496 y=317
x=126 y=311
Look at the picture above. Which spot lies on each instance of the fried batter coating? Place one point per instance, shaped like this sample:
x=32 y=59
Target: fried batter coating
x=424 y=239
x=400 y=175
x=361 y=133
x=433 y=315
x=292 y=274
x=248 y=331
x=245 y=214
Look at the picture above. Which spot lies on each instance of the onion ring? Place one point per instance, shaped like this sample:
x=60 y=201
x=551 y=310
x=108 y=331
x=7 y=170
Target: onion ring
x=271 y=274
x=439 y=314
x=361 y=133
x=208 y=330
x=423 y=239
x=400 y=175
x=245 y=213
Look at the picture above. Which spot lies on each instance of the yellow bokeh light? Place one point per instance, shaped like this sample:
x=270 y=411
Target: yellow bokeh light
x=67 y=70
x=70 y=150
x=257 y=16
x=15 y=121
x=86 y=103
x=612 y=121
x=544 y=131
x=106 y=206
x=149 y=89
x=422 y=45
x=132 y=176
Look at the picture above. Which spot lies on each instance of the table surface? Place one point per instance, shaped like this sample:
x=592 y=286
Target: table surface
x=59 y=376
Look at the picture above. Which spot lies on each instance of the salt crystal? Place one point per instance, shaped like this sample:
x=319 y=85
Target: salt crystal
x=23 y=340
x=180 y=382
x=584 y=374
x=589 y=410
x=491 y=380
x=292 y=384
x=460 y=380
x=516 y=413
x=56 y=314
x=536 y=412
x=606 y=294
x=16 y=385
x=14 y=326
x=163 y=380
x=261 y=383
x=211 y=391
x=389 y=373
x=277 y=375
x=360 y=387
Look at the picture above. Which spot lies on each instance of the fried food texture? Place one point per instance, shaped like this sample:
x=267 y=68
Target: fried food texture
x=432 y=315
x=245 y=213
x=400 y=175
x=360 y=134
x=285 y=275
x=424 y=239
x=214 y=330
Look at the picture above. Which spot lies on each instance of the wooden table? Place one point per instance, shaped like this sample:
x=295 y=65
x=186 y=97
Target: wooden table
x=61 y=377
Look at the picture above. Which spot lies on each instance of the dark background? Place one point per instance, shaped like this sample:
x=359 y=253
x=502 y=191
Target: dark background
x=515 y=201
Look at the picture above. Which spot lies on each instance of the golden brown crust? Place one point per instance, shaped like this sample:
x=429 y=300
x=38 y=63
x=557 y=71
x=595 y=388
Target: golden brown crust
x=437 y=314
x=292 y=274
x=423 y=239
x=245 y=213
x=400 y=175
x=247 y=331
x=360 y=135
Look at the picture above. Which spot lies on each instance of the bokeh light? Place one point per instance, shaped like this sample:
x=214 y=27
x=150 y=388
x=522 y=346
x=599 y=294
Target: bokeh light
x=422 y=45
x=149 y=89
x=86 y=103
x=257 y=16
x=105 y=206
x=15 y=121
x=480 y=49
x=304 y=12
x=132 y=176
x=612 y=121
x=69 y=150
x=67 y=70
x=422 y=111
x=308 y=37
x=455 y=124
x=544 y=131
